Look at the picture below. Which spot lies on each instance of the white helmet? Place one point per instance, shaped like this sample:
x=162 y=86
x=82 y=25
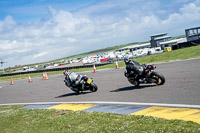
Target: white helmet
x=65 y=72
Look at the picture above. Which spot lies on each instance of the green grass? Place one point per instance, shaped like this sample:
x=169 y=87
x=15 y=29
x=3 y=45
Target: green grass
x=180 y=54
x=14 y=120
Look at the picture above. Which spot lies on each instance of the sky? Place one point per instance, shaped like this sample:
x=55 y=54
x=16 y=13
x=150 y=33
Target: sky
x=33 y=31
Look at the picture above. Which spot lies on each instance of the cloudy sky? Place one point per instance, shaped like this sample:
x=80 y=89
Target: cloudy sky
x=34 y=31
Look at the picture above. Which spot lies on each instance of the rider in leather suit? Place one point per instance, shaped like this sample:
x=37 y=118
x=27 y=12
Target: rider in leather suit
x=133 y=66
x=72 y=80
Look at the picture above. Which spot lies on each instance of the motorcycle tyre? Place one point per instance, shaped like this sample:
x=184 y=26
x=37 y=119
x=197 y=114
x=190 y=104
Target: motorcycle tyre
x=94 y=87
x=135 y=83
x=159 y=77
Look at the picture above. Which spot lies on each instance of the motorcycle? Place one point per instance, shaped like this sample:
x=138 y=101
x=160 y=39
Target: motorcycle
x=149 y=76
x=88 y=85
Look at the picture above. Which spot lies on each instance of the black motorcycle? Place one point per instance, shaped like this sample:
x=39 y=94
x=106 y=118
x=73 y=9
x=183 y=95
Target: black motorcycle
x=88 y=85
x=149 y=76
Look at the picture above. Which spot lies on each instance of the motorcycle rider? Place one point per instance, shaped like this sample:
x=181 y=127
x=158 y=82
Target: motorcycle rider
x=133 y=66
x=72 y=80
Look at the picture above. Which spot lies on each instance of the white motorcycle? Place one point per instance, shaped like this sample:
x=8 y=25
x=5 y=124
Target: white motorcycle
x=88 y=85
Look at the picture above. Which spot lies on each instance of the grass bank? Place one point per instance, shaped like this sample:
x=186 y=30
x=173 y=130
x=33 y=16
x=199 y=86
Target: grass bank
x=180 y=54
x=15 y=120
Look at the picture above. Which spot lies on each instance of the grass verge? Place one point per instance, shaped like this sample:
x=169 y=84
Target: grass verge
x=15 y=120
x=180 y=54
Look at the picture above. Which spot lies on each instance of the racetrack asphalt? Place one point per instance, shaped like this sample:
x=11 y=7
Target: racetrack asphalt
x=181 y=87
x=181 y=90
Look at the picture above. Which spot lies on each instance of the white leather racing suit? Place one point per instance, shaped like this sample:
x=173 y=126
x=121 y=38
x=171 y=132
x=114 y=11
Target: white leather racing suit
x=72 y=80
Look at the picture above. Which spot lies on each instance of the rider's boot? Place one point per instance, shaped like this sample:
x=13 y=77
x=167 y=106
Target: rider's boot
x=82 y=88
x=142 y=80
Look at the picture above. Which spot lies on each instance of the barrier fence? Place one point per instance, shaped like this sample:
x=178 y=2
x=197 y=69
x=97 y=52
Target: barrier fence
x=54 y=69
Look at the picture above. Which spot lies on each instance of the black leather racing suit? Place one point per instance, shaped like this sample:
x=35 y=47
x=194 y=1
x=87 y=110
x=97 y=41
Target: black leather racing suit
x=134 y=66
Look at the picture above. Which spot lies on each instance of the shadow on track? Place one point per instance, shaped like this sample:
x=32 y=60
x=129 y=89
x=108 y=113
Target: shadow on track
x=72 y=94
x=132 y=88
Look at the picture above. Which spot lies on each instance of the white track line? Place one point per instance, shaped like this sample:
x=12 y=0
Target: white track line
x=107 y=102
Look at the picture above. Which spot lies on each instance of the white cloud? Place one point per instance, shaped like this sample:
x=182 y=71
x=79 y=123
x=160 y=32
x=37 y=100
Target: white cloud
x=40 y=54
x=7 y=25
x=190 y=10
x=187 y=17
x=22 y=50
x=71 y=40
x=8 y=44
x=52 y=10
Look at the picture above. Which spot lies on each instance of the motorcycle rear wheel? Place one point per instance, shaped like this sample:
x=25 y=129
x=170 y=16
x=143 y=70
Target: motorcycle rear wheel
x=94 y=87
x=158 y=77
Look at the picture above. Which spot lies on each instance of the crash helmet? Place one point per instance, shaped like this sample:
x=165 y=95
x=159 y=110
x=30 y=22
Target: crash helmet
x=66 y=72
x=126 y=60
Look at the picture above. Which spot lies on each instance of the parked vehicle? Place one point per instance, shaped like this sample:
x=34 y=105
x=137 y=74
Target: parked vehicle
x=155 y=50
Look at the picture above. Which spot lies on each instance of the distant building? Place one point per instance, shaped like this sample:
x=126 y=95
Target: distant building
x=172 y=43
x=135 y=47
x=159 y=38
x=156 y=41
x=139 y=46
x=193 y=34
x=163 y=40
x=192 y=38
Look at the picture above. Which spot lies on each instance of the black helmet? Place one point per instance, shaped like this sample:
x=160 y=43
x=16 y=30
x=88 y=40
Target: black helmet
x=126 y=60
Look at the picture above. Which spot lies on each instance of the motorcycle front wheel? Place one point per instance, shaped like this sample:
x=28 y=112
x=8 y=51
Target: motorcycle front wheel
x=158 y=77
x=93 y=87
x=134 y=82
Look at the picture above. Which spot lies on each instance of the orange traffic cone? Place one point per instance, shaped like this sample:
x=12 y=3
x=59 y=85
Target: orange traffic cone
x=94 y=68
x=29 y=79
x=46 y=77
x=12 y=81
x=117 y=66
